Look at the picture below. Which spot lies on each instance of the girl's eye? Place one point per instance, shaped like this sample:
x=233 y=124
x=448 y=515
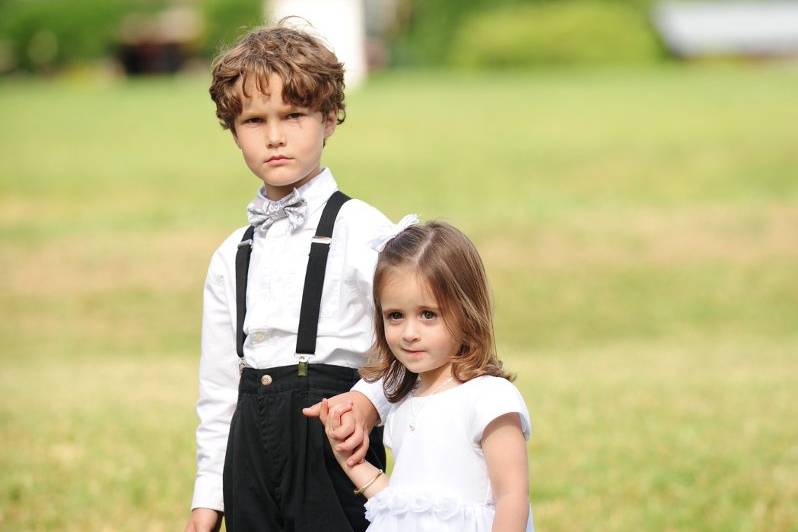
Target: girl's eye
x=428 y=315
x=394 y=315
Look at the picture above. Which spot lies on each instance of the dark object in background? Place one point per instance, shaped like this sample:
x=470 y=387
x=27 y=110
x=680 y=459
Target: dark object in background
x=159 y=44
x=151 y=57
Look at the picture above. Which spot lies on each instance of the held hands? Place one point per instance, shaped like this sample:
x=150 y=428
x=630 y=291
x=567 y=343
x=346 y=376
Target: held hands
x=331 y=418
x=367 y=479
x=351 y=434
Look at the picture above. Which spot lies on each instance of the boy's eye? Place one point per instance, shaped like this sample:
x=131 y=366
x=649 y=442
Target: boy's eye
x=294 y=116
x=428 y=315
x=252 y=120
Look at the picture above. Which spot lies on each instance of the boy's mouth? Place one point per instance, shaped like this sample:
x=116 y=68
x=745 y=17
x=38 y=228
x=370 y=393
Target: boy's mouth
x=277 y=159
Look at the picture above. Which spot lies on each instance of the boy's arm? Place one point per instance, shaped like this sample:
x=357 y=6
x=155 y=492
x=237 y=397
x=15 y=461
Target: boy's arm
x=505 y=453
x=218 y=388
x=364 y=223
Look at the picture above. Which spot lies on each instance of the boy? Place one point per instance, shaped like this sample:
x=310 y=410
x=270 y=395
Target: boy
x=290 y=295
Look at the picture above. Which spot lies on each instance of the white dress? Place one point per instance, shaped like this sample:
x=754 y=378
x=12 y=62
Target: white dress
x=440 y=478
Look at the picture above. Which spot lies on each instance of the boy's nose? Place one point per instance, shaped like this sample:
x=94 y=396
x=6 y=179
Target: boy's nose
x=274 y=136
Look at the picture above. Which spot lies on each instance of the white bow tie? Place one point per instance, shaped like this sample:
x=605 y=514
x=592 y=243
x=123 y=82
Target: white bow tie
x=263 y=212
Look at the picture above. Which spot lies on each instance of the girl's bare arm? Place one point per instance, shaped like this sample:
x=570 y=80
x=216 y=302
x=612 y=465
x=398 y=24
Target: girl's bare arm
x=364 y=476
x=505 y=452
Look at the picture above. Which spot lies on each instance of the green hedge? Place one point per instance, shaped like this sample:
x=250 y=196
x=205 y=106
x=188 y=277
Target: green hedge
x=42 y=35
x=226 y=20
x=429 y=32
x=568 y=32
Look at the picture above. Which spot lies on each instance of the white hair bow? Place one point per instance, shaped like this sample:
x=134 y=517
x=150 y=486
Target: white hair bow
x=391 y=231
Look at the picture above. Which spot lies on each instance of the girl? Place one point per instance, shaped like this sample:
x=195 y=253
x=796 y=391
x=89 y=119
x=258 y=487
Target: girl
x=457 y=426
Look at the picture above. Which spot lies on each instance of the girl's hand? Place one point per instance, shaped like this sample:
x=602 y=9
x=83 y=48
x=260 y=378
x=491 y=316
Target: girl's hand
x=332 y=419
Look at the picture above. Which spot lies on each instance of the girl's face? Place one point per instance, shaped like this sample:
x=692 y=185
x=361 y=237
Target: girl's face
x=414 y=327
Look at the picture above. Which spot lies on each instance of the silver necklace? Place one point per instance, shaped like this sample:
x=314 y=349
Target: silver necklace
x=413 y=414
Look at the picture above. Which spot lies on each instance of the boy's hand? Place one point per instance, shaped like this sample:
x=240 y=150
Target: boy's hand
x=204 y=520
x=352 y=435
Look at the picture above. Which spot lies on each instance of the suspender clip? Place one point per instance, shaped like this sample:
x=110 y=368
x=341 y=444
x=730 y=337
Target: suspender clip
x=241 y=365
x=247 y=242
x=302 y=368
x=326 y=240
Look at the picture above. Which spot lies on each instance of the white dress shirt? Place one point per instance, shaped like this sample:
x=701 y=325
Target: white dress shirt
x=274 y=294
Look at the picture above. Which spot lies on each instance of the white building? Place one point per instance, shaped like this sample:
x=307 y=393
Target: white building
x=340 y=23
x=690 y=29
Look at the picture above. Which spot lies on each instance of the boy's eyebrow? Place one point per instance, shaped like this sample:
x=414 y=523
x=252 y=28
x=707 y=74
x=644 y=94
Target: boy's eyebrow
x=246 y=114
x=295 y=106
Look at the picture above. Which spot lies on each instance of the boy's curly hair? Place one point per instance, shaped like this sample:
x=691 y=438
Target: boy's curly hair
x=312 y=75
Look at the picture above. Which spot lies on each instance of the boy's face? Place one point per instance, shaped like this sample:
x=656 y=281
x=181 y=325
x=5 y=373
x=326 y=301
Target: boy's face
x=281 y=142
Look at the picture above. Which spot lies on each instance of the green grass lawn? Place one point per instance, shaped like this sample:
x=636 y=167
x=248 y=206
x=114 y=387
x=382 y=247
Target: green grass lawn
x=640 y=229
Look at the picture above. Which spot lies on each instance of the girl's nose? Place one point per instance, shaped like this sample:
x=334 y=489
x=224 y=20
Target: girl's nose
x=410 y=331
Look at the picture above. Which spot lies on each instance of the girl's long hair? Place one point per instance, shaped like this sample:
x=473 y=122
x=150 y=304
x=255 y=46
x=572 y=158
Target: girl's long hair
x=449 y=263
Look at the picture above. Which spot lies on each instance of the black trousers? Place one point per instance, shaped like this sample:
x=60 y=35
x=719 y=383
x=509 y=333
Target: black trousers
x=279 y=473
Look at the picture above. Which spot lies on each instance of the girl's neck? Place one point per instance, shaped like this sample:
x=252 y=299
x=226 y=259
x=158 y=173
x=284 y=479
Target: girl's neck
x=435 y=380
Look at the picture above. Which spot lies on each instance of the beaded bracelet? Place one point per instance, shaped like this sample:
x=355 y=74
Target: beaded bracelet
x=369 y=483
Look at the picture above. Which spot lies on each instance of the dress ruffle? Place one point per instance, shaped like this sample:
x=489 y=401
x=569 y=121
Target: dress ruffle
x=394 y=506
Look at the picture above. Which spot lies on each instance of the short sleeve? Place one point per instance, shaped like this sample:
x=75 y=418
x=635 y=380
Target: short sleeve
x=492 y=398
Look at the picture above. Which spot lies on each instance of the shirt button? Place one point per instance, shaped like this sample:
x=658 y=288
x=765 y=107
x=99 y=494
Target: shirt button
x=258 y=337
x=266 y=380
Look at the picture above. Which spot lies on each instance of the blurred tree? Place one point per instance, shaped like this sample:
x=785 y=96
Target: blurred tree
x=40 y=35
x=555 y=33
x=227 y=19
x=44 y=35
x=427 y=31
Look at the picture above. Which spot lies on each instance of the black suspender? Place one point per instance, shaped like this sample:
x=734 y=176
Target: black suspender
x=314 y=282
x=242 y=269
x=314 y=276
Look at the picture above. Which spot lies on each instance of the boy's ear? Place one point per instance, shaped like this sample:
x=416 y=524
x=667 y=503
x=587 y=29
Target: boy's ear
x=330 y=123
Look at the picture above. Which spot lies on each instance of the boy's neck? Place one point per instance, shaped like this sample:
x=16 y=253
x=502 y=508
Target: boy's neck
x=275 y=193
